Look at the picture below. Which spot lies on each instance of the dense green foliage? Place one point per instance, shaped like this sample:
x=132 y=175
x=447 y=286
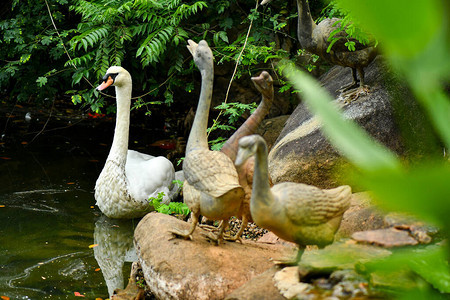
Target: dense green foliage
x=32 y=55
x=148 y=30
x=52 y=49
x=146 y=37
x=346 y=23
x=233 y=111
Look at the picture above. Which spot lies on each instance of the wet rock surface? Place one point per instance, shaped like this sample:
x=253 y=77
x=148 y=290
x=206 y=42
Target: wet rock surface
x=322 y=274
x=398 y=230
x=421 y=231
x=340 y=255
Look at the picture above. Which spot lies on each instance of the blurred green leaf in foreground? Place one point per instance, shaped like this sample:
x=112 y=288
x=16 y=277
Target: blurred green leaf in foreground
x=415 y=39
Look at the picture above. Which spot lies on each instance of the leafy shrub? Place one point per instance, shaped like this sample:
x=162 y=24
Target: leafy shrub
x=234 y=112
x=178 y=208
x=143 y=36
x=27 y=37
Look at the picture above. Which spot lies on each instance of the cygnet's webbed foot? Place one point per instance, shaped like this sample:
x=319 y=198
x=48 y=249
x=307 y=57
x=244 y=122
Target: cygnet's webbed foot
x=234 y=238
x=188 y=233
x=354 y=94
x=237 y=236
x=354 y=84
x=215 y=238
x=286 y=262
x=181 y=234
x=290 y=261
x=210 y=228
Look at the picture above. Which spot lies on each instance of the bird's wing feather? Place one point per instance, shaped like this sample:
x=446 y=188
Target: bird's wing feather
x=211 y=172
x=309 y=205
x=148 y=175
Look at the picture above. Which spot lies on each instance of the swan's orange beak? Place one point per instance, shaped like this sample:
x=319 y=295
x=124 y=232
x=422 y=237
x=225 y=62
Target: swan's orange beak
x=105 y=84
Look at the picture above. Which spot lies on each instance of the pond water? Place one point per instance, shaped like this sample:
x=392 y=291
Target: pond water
x=54 y=241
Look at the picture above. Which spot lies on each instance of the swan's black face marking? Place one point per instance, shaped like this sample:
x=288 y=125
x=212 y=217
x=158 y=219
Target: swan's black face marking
x=107 y=80
x=112 y=75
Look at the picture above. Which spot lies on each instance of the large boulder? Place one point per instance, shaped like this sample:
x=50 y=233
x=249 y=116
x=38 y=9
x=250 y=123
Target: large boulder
x=301 y=152
x=182 y=269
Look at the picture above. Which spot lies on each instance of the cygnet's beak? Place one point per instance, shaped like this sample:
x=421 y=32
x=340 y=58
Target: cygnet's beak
x=264 y=84
x=259 y=82
x=105 y=84
x=192 y=46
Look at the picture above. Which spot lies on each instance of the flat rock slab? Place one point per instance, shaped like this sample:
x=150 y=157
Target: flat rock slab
x=261 y=287
x=182 y=269
x=389 y=237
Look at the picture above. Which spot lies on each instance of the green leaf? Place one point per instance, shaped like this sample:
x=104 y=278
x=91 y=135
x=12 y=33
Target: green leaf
x=223 y=35
x=76 y=99
x=404 y=27
x=423 y=191
x=430 y=263
x=332 y=43
x=41 y=81
x=350 y=45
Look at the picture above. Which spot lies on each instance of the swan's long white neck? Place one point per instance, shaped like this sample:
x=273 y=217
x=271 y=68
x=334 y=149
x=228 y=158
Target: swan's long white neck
x=197 y=137
x=119 y=146
x=261 y=187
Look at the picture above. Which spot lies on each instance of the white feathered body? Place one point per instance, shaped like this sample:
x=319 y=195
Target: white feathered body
x=122 y=191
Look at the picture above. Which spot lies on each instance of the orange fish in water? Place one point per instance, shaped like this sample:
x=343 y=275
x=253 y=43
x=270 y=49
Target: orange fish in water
x=95 y=115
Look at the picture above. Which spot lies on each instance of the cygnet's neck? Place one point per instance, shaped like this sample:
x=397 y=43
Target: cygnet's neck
x=230 y=148
x=261 y=186
x=198 y=137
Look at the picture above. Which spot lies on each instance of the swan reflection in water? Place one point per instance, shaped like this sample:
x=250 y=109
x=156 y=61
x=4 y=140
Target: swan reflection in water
x=114 y=240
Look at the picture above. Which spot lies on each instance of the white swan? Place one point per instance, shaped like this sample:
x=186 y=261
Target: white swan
x=129 y=178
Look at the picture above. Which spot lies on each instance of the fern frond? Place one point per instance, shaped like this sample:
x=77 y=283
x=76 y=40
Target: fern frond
x=154 y=45
x=90 y=37
x=184 y=11
x=81 y=60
